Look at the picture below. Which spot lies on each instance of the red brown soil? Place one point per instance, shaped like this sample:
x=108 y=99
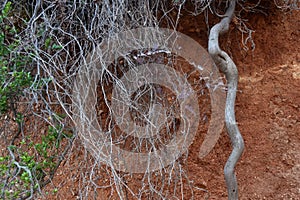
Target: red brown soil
x=267 y=112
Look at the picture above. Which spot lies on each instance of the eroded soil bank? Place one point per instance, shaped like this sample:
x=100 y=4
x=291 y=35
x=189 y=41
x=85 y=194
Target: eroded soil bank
x=267 y=112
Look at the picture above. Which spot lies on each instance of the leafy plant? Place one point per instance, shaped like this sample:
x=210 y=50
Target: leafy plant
x=13 y=75
x=30 y=162
x=25 y=171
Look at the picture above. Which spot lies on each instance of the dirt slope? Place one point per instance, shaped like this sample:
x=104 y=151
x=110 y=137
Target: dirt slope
x=267 y=111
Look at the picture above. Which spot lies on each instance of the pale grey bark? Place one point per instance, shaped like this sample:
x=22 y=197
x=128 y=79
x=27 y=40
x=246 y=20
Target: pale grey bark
x=228 y=67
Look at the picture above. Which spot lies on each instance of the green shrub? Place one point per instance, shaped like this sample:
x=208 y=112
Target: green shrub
x=24 y=172
x=13 y=63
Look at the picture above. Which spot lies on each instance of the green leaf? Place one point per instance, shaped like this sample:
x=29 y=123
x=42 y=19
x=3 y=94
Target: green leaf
x=47 y=43
x=6 y=9
x=56 y=46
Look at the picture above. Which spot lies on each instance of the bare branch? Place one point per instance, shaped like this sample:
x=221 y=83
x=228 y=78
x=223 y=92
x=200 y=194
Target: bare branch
x=228 y=67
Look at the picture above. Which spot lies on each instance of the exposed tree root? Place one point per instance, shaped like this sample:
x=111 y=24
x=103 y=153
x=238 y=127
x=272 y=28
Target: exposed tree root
x=227 y=66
